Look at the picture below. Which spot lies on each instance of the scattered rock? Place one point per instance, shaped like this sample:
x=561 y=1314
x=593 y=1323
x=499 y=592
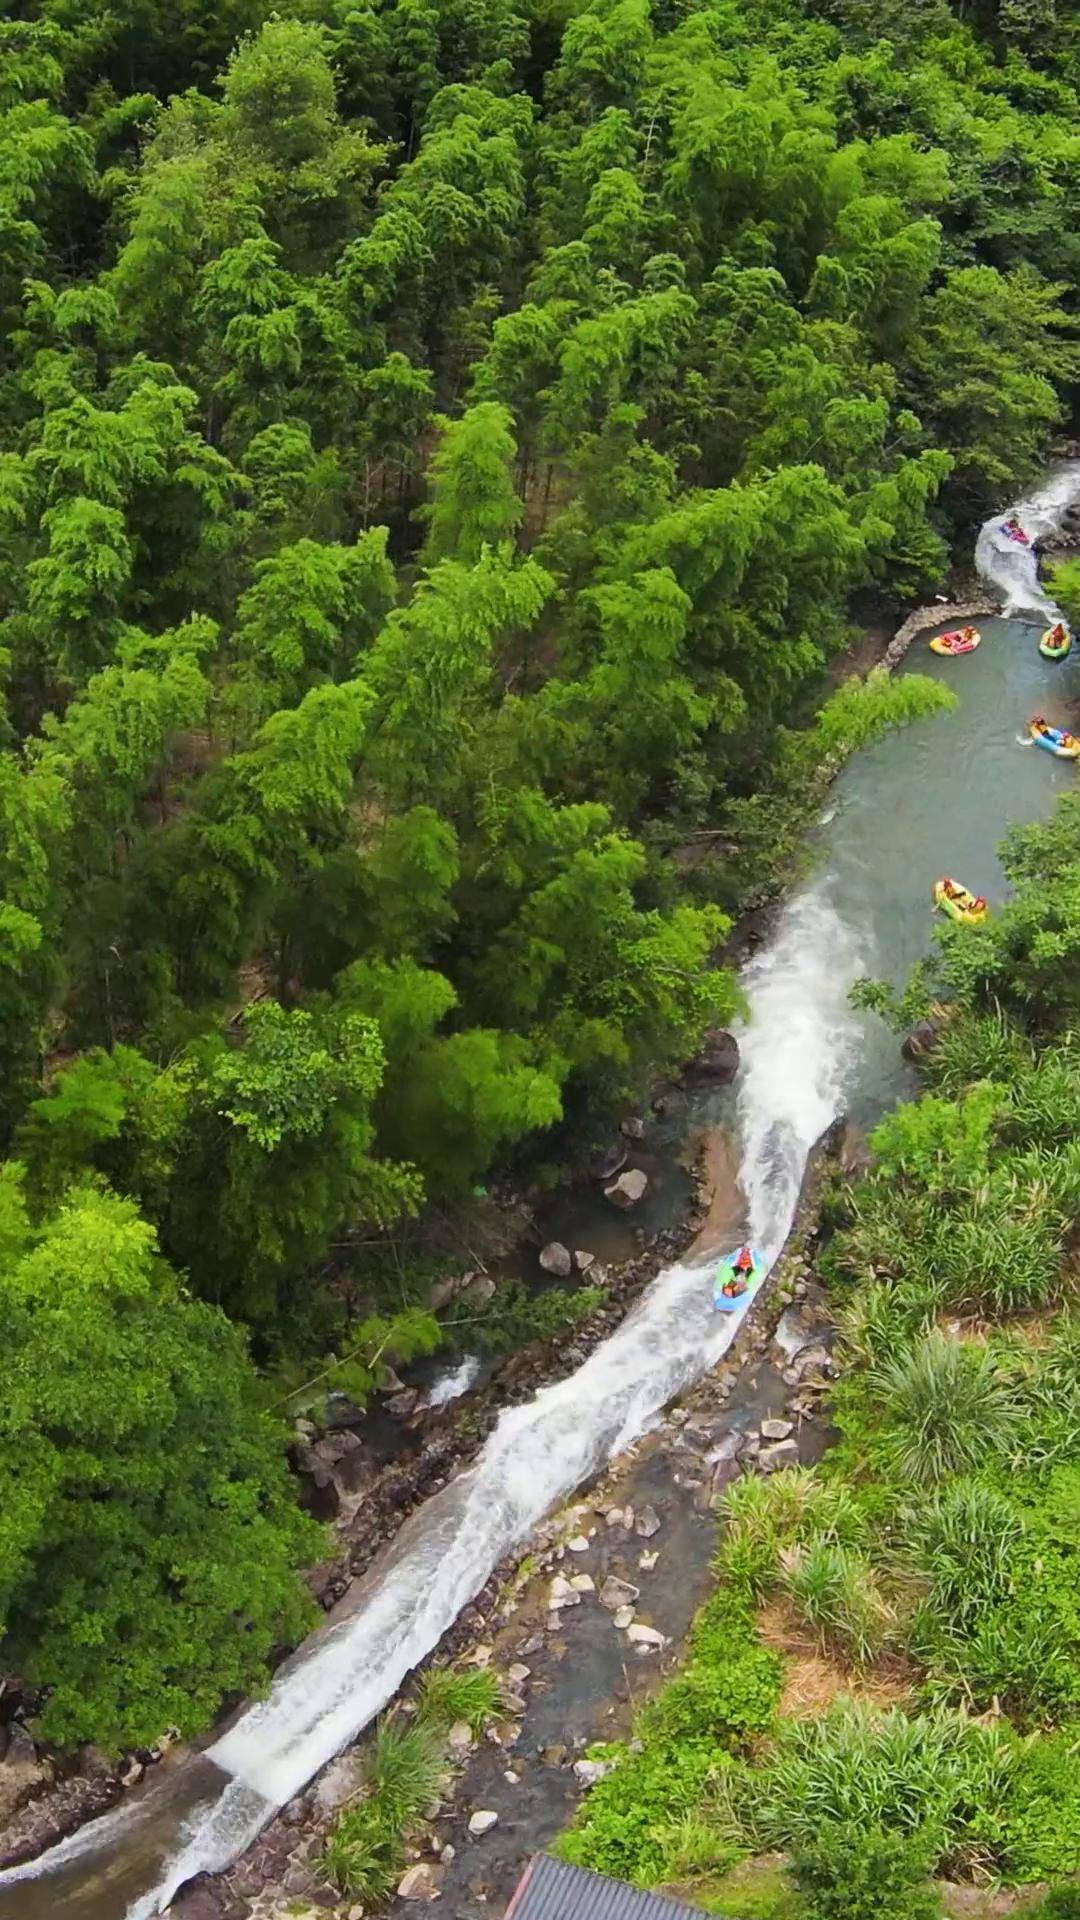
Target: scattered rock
x=716 y=1064
x=647 y=1561
x=583 y=1583
x=340 y=1411
x=813 y=1358
x=616 y=1593
x=132 y=1773
x=21 y=1772
x=723 y=1474
x=403 y=1405
x=633 y=1127
x=578 y=1544
x=783 y=1453
x=648 y=1521
x=623 y=1617
x=583 y=1260
x=628 y=1189
x=482 y=1822
x=512 y=1779
x=776 y=1429
x=588 y=1772
x=444 y=1290
x=553 y=1756
x=853 y=1154
x=447 y=1854
x=555 y=1258
x=419 y=1883
x=643 y=1636
x=518 y=1674
x=335 y=1785
x=561 y=1594
x=460 y=1737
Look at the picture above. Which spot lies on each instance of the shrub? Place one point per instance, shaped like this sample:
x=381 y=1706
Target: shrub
x=625 y=1824
x=1061 y=1903
x=836 y=1593
x=848 y=1872
x=719 y=1700
x=1040 y=1817
x=947 y=1406
x=448 y=1694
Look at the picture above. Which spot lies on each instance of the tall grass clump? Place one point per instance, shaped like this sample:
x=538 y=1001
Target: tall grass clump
x=836 y=1593
x=959 y=1544
x=762 y=1517
x=859 y=1767
x=365 y=1854
x=449 y=1694
x=947 y=1407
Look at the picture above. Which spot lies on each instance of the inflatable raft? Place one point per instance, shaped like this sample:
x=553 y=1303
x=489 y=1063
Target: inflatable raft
x=1065 y=746
x=960 y=640
x=959 y=902
x=1051 y=652
x=730 y=1289
x=1016 y=532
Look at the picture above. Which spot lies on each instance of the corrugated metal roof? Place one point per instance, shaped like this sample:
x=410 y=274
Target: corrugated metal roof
x=552 y=1890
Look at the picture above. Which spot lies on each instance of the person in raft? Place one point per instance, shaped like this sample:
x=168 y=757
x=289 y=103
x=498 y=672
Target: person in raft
x=741 y=1269
x=1057 y=635
x=977 y=903
x=1012 y=525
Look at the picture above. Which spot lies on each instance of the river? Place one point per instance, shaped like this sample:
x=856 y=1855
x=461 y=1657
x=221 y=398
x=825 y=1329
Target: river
x=933 y=799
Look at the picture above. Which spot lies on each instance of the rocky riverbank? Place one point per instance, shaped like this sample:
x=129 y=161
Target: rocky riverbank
x=583 y=1621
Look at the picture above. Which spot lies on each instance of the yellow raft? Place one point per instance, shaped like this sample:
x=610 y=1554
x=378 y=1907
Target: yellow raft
x=1063 y=745
x=959 y=640
x=959 y=902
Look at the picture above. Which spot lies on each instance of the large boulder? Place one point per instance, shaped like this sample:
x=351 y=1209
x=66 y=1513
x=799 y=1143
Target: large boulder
x=922 y=1040
x=717 y=1063
x=628 y=1189
x=22 y=1773
x=555 y=1258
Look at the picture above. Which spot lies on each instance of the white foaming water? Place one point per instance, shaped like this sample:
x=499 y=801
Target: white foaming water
x=797 y=1052
x=1012 y=568
x=452 y=1384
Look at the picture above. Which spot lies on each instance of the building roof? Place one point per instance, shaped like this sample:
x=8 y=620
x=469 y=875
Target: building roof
x=551 y=1890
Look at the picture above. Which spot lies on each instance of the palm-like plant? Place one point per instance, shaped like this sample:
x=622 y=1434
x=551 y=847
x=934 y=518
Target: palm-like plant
x=960 y=1543
x=947 y=1405
x=836 y=1593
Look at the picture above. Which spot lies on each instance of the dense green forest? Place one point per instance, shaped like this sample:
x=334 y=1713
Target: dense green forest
x=441 y=446
x=936 y=1551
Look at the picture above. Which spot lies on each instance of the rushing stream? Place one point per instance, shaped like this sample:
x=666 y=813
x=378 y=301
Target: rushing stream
x=933 y=799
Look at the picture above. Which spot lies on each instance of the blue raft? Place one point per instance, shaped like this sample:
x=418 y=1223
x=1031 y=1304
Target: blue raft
x=726 y=1277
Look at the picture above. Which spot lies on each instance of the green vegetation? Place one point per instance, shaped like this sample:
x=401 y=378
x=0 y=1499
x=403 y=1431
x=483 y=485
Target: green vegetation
x=440 y=450
x=937 y=1547
x=403 y=1771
